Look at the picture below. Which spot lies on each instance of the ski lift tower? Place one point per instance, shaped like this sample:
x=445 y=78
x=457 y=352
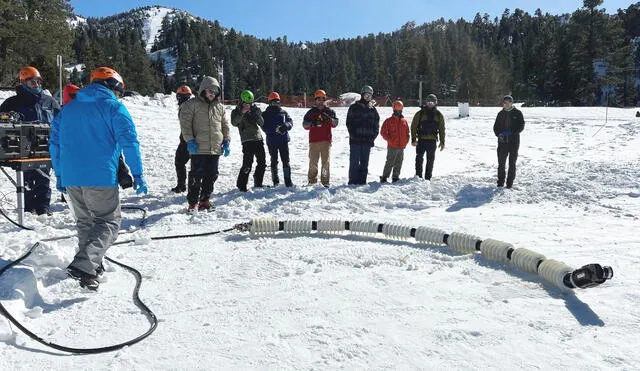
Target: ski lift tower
x=419 y=79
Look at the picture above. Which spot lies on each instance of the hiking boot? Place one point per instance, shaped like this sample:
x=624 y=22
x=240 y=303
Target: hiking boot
x=204 y=206
x=393 y=180
x=192 y=208
x=383 y=180
x=179 y=188
x=87 y=281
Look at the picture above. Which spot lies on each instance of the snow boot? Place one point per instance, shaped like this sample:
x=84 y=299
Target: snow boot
x=179 y=188
x=204 y=205
x=87 y=281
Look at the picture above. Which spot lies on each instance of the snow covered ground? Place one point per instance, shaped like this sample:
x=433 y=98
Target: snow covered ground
x=345 y=301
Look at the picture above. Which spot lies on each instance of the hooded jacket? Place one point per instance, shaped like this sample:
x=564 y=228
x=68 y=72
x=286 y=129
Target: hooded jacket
x=88 y=136
x=205 y=121
x=32 y=107
x=275 y=116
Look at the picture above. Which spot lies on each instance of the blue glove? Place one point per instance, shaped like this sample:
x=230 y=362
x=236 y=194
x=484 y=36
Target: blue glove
x=139 y=185
x=59 y=186
x=506 y=133
x=192 y=146
x=225 y=148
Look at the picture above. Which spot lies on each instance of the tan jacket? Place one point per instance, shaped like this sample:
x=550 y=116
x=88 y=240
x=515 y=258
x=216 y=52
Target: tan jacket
x=205 y=122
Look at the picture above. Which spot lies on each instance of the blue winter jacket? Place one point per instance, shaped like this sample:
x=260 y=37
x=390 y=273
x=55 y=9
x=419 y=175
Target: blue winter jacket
x=87 y=137
x=273 y=117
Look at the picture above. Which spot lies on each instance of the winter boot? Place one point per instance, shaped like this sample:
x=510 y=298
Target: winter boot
x=192 y=208
x=204 y=205
x=87 y=281
x=393 y=180
x=274 y=176
x=383 y=180
x=179 y=188
x=287 y=176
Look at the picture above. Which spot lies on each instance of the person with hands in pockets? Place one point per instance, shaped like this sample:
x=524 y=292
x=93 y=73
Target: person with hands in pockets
x=395 y=130
x=247 y=117
x=507 y=127
x=320 y=120
x=427 y=127
x=205 y=129
x=277 y=124
x=85 y=160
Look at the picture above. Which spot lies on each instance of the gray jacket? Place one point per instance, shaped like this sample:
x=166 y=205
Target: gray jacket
x=203 y=121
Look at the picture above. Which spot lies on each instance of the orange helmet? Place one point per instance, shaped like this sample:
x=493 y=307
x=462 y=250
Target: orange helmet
x=273 y=96
x=109 y=78
x=320 y=94
x=398 y=106
x=184 y=89
x=27 y=73
x=68 y=93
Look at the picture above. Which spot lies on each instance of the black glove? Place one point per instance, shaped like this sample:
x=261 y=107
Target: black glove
x=281 y=130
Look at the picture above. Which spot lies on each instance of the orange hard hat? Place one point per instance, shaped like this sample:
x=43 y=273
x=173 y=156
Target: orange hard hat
x=105 y=74
x=320 y=94
x=184 y=89
x=398 y=106
x=27 y=73
x=273 y=96
x=68 y=93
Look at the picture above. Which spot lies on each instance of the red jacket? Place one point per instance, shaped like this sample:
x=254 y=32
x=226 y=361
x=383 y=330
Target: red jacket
x=319 y=123
x=395 y=130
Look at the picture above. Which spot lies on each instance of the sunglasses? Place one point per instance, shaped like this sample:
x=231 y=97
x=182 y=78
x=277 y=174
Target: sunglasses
x=431 y=103
x=275 y=101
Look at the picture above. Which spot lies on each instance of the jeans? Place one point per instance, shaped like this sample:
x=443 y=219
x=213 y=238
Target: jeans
x=359 y=163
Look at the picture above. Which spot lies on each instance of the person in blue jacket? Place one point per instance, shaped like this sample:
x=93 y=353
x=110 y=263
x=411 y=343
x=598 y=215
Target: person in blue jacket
x=87 y=138
x=33 y=105
x=277 y=124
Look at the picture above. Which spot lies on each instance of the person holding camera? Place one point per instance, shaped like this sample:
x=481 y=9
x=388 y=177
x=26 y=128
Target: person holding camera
x=33 y=105
x=247 y=117
x=320 y=120
x=507 y=127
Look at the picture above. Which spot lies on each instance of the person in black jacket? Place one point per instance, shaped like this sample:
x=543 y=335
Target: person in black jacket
x=33 y=105
x=363 y=124
x=508 y=126
x=277 y=124
x=183 y=94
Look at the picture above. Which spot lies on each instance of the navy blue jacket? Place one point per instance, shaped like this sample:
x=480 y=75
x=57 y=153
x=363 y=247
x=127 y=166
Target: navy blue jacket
x=363 y=123
x=273 y=117
x=32 y=107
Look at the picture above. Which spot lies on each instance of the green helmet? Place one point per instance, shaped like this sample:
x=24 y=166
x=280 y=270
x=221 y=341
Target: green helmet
x=246 y=96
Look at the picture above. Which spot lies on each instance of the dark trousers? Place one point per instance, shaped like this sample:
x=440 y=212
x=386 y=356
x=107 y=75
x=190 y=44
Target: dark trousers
x=181 y=159
x=507 y=150
x=283 y=150
x=427 y=146
x=358 y=163
x=203 y=174
x=251 y=149
x=37 y=194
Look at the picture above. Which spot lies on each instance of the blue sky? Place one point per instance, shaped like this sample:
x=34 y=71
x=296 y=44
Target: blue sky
x=303 y=20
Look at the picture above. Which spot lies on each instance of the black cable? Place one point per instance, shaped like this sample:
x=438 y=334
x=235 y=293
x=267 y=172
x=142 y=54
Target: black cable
x=136 y=299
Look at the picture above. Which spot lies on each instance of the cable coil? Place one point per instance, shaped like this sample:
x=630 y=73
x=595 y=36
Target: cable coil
x=330 y=226
x=364 y=227
x=462 y=242
x=496 y=250
x=297 y=226
x=554 y=272
x=428 y=235
x=263 y=226
x=527 y=260
x=396 y=231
